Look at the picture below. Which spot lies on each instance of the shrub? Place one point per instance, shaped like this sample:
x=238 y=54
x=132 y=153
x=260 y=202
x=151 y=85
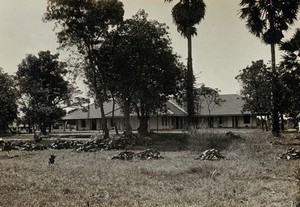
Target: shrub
x=200 y=140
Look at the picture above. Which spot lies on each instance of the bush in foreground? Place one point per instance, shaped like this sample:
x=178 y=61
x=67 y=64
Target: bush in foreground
x=200 y=140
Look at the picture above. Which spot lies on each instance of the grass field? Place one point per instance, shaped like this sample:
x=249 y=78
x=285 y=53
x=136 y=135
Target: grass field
x=251 y=175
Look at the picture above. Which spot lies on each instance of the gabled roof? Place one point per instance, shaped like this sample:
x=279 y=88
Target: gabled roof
x=93 y=112
x=232 y=105
x=175 y=109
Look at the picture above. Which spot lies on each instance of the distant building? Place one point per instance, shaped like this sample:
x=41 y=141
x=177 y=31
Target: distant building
x=228 y=115
x=90 y=118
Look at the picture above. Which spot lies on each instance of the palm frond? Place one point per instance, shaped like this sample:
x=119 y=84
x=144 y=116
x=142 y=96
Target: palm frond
x=261 y=15
x=188 y=13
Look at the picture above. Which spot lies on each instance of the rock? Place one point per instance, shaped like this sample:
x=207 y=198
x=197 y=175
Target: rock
x=8 y=146
x=149 y=154
x=291 y=154
x=126 y=155
x=98 y=143
x=211 y=154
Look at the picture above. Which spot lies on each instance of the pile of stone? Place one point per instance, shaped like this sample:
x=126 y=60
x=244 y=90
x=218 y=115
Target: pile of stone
x=98 y=143
x=26 y=146
x=291 y=154
x=149 y=154
x=126 y=155
x=144 y=155
x=65 y=144
x=113 y=143
x=211 y=154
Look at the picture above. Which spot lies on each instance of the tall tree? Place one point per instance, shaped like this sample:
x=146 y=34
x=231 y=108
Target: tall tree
x=256 y=82
x=8 y=101
x=186 y=14
x=84 y=24
x=41 y=81
x=142 y=68
x=290 y=74
x=268 y=19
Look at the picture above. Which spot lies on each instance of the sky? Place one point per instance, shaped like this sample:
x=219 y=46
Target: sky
x=222 y=47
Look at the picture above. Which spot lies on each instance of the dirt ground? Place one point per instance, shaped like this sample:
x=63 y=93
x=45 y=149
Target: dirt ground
x=250 y=175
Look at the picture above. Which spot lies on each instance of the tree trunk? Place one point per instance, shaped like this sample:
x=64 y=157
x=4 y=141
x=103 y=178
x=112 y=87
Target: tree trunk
x=267 y=123
x=143 y=128
x=190 y=83
x=50 y=126
x=275 y=109
x=209 y=120
x=282 y=122
x=43 y=129
x=5 y=125
x=113 y=117
x=128 y=129
x=103 y=121
x=262 y=122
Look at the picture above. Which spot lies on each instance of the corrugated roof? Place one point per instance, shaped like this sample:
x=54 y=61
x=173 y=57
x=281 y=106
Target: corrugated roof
x=93 y=112
x=232 y=105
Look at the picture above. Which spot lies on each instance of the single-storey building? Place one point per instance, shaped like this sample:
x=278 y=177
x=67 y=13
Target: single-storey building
x=228 y=115
x=89 y=118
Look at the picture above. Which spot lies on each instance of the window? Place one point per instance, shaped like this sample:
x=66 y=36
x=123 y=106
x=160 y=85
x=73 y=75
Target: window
x=246 y=119
x=220 y=120
x=83 y=123
x=164 y=121
x=112 y=124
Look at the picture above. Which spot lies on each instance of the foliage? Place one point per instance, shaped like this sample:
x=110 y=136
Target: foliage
x=268 y=19
x=84 y=24
x=204 y=139
x=290 y=74
x=41 y=81
x=141 y=66
x=8 y=100
x=186 y=14
x=257 y=81
x=256 y=88
x=211 y=98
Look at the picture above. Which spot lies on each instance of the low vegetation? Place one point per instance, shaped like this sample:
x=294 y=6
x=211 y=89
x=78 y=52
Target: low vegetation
x=250 y=175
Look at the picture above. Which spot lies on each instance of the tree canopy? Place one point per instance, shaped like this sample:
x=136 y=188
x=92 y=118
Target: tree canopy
x=8 y=100
x=256 y=82
x=143 y=70
x=41 y=81
x=290 y=73
x=268 y=19
x=84 y=24
x=211 y=98
x=257 y=88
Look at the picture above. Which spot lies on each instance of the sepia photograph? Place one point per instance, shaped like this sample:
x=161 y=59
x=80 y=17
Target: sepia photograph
x=143 y=103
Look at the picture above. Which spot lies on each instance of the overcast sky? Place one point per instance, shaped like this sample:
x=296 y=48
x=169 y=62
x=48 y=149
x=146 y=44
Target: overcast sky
x=222 y=48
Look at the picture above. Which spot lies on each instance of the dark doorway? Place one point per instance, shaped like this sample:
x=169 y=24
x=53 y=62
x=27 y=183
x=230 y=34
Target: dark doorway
x=235 y=122
x=94 y=124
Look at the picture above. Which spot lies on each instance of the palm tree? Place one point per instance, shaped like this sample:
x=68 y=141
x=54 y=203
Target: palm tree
x=186 y=14
x=268 y=19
